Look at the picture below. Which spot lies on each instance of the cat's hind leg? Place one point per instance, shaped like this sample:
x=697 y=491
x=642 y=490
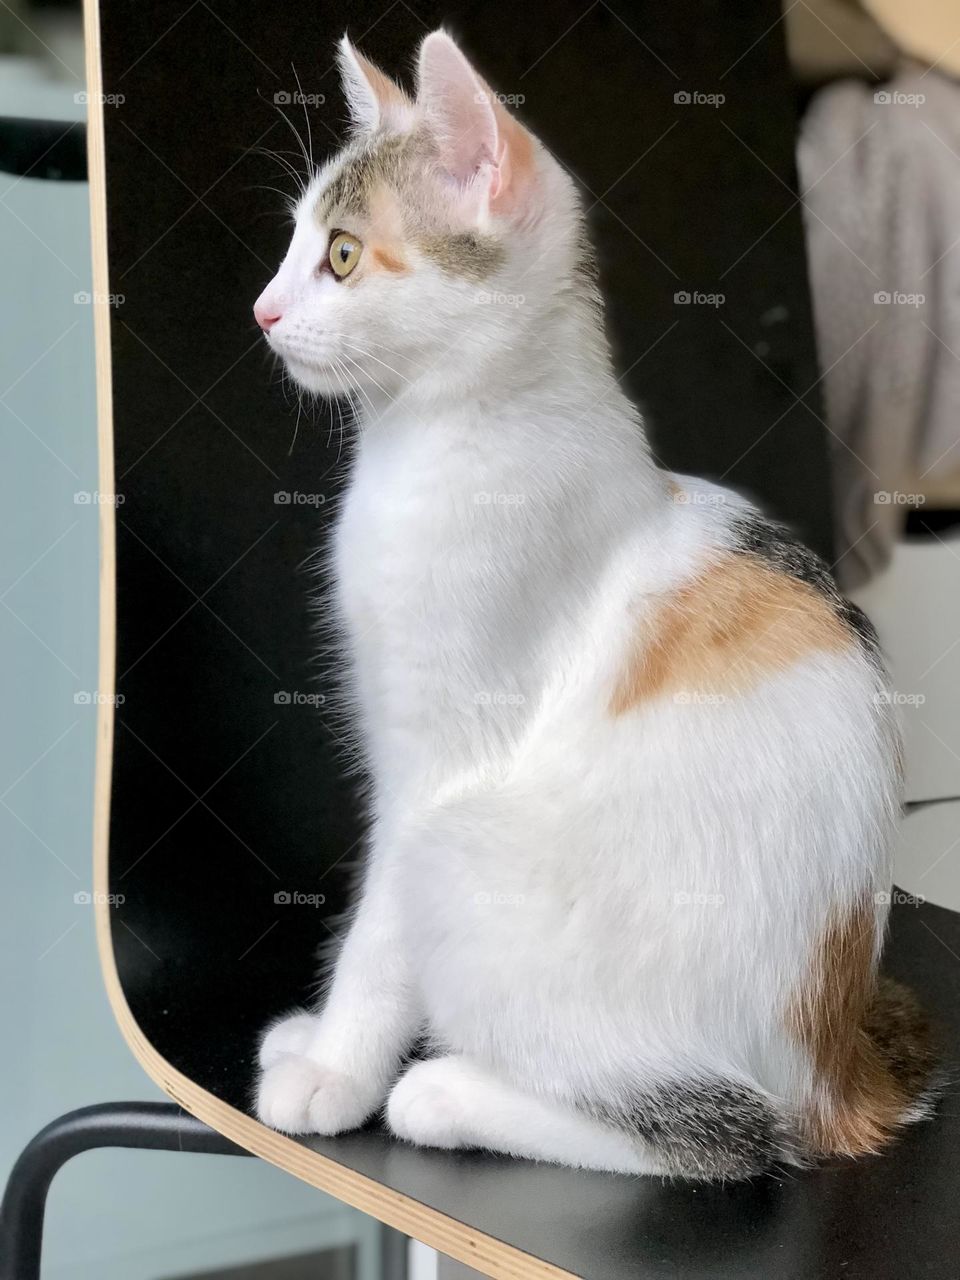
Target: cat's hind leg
x=451 y=1102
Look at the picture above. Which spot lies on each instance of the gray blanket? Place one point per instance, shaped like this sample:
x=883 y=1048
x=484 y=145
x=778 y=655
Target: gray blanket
x=880 y=175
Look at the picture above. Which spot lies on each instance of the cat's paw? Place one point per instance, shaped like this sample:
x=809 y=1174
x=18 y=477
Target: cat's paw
x=291 y=1034
x=427 y=1108
x=298 y=1095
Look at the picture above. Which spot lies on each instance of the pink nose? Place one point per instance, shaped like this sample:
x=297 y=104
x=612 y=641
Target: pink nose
x=267 y=313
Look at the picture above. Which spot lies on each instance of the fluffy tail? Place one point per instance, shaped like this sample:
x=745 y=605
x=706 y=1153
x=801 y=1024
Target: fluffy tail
x=906 y=1045
x=890 y=1077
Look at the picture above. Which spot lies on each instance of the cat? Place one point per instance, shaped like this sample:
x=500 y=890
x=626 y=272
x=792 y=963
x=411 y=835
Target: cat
x=634 y=761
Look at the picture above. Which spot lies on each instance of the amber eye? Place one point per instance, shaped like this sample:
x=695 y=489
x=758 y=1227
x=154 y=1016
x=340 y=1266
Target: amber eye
x=345 y=251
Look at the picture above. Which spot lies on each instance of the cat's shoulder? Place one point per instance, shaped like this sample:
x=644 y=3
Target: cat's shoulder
x=732 y=526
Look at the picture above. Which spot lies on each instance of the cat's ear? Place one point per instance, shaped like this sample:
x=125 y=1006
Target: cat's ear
x=479 y=142
x=373 y=99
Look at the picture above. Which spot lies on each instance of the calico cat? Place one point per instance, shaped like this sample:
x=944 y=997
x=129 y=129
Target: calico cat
x=634 y=764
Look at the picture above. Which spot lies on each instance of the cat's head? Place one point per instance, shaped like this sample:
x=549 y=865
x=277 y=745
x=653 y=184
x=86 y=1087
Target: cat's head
x=438 y=237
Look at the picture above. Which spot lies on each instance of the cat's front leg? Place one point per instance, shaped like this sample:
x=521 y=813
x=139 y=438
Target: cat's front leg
x=328 y=1072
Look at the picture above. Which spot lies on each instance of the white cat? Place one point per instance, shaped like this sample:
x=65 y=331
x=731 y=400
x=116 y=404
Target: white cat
x=635 y=772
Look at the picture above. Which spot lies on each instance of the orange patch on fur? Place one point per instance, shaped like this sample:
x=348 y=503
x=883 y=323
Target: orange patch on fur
x=737 y=622
x=388 y=261
x=385 y=234
x=856 y=1032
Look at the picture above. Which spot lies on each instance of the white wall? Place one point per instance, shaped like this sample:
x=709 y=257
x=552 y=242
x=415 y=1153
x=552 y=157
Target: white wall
x=112 y=1215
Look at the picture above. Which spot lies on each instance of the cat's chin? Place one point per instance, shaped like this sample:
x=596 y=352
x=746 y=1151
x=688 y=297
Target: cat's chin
x=320 y=379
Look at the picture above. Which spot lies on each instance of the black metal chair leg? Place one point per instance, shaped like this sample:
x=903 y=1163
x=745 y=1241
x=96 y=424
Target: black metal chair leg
x=154 y=1126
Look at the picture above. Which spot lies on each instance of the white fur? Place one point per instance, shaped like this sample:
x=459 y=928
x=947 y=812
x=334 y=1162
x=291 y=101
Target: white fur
x=570 y=903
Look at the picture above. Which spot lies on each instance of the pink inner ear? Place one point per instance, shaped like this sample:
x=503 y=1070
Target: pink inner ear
x=516 y=162
x=457 y=109
x=389 y=95
x=474 y=130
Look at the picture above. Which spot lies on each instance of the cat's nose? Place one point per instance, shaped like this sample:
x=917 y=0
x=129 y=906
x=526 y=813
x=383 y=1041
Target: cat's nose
x=267 y=312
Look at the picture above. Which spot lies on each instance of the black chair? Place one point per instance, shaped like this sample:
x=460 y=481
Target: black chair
x=223 y=798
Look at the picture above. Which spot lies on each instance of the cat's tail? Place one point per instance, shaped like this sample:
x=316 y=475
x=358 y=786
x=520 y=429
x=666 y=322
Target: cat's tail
x=904 y=1041
x=892 y=1077
x=875 y=1069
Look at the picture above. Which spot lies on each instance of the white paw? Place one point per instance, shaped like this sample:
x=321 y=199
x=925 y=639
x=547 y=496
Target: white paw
x=423 y=1108
x=290 y=1035
x=298 y=1095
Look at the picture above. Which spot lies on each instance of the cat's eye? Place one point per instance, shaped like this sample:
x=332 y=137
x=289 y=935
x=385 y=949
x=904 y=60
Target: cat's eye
x=345 y=251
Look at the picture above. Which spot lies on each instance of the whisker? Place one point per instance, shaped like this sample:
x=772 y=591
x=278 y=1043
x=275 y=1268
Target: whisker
x=284 y=195
x=370 y=356
x=306 y=157
x=382 y=346
x=360 y=389
x=349 y=382
x=287 y=168
x=306 y=116
x=296 y=425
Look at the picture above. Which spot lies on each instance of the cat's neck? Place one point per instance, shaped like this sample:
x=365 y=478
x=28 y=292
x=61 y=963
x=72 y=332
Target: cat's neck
x=559 y=377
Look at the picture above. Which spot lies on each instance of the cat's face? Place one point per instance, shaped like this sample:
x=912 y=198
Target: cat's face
x=408 y=245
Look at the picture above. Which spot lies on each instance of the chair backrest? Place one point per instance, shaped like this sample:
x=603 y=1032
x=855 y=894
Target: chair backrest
x=233 y=823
